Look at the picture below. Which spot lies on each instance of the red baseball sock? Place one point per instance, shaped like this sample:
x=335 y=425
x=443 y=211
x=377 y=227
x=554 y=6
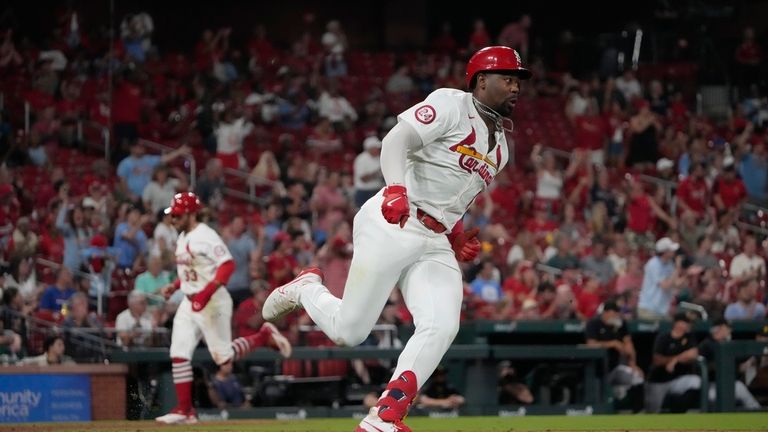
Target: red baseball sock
x=182 y=379
x=244 y=345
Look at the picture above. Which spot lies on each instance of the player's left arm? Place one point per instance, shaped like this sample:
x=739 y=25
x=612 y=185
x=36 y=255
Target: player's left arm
x=223 y=273
x=465 y=244
x=217 y=251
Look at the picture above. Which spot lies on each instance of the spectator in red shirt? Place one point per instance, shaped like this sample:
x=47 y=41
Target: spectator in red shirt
x=642 y=212
x=522 y=284
x=515 y=35
x=592 y=133
x=479 y=37
x=445 y=44
x=693 y=192
x=748 y=57
x=589 y=298
x=728 y=191
x=126 y=114
x=248 y=320
x=282 y=266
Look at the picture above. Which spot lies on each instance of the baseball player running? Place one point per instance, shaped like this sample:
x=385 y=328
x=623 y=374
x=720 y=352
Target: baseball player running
x=204 y=265
x=441 y=154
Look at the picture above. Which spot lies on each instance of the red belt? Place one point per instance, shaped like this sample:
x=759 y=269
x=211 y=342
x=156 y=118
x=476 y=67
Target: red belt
x=430 y=222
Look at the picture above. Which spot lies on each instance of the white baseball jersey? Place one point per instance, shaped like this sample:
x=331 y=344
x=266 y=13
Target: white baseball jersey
x=455 y=164
x=199 y=254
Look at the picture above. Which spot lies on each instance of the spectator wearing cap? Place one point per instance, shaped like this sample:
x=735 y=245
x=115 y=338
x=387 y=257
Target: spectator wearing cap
x=665 y=169
x=608 y=330
x=693 y=192
x=721 y=332
x=728 y=191
x=98 y=199
x=367 y=171
x=746 y=306
x=134 y=325
x=672 y=369
x=244 y=250
x=748 y=264
x=663 y=277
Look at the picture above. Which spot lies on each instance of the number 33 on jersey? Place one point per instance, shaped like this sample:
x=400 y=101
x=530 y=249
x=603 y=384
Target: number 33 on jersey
x=198 y=255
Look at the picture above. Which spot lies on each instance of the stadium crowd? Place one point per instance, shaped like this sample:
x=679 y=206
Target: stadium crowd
x=622 y=189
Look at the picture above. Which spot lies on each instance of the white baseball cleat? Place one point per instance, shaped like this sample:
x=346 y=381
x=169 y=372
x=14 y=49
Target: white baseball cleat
x=178 y=418
x=285 y=299
x=373 y=423
x=278 y=340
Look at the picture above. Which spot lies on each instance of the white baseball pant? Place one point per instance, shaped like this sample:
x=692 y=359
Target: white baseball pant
x=421 y=262
x=213 y=323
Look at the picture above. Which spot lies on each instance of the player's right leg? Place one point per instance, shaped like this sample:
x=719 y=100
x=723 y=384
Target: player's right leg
x=381 y=252
x=184 y=339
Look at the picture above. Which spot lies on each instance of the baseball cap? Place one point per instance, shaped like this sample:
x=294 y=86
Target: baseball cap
x=611 y=306
x=665 y=244
x=371 y=142
x=728 y=162
x=682 y=316
x=89 y=202
x=663 y=164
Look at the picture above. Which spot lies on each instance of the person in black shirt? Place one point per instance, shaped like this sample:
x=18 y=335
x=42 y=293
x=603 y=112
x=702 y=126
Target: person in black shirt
x=439 y=393
x=673 y=369
x=721 y=332
x=609 y=331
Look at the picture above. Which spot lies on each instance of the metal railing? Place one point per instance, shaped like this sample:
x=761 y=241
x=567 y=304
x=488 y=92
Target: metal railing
x=99 y=293
x=190 y=159
x=251 y=183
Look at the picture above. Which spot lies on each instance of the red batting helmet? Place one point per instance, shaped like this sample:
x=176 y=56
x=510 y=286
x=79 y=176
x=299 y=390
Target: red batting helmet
x=184 y=203
x=496 y=58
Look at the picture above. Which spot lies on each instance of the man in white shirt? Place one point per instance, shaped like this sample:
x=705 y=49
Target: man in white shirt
x=134 y=325
x=336 y=108
x=230 y=132
x=747 y=265
x=367 y=171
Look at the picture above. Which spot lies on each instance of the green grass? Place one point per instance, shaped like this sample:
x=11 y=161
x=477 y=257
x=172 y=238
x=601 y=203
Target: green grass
x=665 y=422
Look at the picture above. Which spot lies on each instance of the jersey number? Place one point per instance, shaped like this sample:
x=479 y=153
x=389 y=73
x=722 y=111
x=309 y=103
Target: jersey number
x=190 y=276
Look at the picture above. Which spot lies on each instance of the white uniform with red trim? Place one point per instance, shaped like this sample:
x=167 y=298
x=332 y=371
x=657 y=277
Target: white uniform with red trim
x=443 y=177
x=454 y=166
x=199 y=254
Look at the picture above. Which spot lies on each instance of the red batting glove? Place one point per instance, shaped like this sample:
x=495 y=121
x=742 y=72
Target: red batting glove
x=466 y=246
x=395 y=207
x=201 y=299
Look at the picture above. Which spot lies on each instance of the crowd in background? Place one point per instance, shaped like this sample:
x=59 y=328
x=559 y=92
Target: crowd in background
x=649 y=202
